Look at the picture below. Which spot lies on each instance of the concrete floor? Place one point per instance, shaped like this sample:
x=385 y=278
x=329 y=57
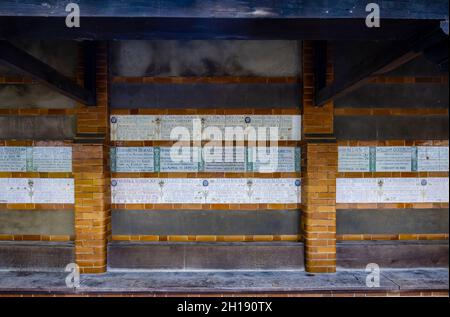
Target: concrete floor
x=224 y=282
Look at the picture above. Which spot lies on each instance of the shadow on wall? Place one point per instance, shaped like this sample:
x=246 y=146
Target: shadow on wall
x=32 y=96
x=61 y=55
x=205 y=58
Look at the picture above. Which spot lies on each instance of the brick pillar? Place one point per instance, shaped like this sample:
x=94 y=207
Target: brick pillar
x=92 y=206
x=319 y=173
x=319 y=211
x=92 y=174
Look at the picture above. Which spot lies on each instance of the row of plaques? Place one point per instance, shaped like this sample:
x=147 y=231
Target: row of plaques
x=392 y=190
x=227 y=190
x=393 y=158
x=212 y=159
x=36 y=191
x=35 y=159
x=206 y=191
x=218 y=127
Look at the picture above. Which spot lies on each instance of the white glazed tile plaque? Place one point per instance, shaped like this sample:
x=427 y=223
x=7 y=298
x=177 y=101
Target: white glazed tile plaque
x=224 y=159
x=276 y=191
x=132 y=159
x=356 y=190
x=168 y=123
x=50 y=159
x=209 y=191
x=13 y=159
x=182 y=191
x=393 y=158
x=273 y=159
x=179 y=159
x=135 y=190
x=399 y=190
x=149 y=127
x=129 y=128
x=391 y=190
x=208 y=159
x=227 y=191
x=14 y=190
x=36 y=159
x=53 y=191
x=288 y=126
x=434 y=189
x=354 y=159
x=37 y=190
x=432 y=158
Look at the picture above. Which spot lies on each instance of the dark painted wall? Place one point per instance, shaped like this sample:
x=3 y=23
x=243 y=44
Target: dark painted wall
x=61 y=55
x=426 y=127
x=195 y=96
x=206 y=256
x=36 y=256
x=355 y=52
x=396 y=96
x=392 y=254
x=14 y=96
x=377 y=95
x=209 y=222
x=392 y=221
x=37 y=222
x=205 y=58
x=37 y=127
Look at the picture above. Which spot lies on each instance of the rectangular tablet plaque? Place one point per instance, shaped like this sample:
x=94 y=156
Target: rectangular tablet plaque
x=393 y=159
x=37 y=190
x=168 y=127
x=392 y=190
x=36 y=159
x=220 y=159
x=205 y=191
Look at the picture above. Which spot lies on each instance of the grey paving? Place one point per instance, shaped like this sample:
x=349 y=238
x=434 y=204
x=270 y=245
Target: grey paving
x=223 y=282
x=426 y=278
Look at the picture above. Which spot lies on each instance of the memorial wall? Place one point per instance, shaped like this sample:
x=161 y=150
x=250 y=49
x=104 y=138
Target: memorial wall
x=392 y=159
x=36 y=191
x=192 y=145
x=392 y=180
x=37 y=126
x=372 y=166
x=257 y=179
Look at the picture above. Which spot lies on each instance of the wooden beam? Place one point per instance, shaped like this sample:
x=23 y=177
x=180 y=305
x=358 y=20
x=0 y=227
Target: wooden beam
x=380 y=62
x=139 y=28
x=438 y=54
x=242 y=9
x=320 y=65
x=23 y=62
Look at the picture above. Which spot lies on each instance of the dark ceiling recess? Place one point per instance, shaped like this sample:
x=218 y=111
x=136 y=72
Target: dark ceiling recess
x=432 y=42
x=19 y=60
x=321 y=20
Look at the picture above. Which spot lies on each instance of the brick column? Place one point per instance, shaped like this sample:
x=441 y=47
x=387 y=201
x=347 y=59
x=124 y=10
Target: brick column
x=92 y=174
x=92 y=206
x=319 y=173
x=319 y=211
